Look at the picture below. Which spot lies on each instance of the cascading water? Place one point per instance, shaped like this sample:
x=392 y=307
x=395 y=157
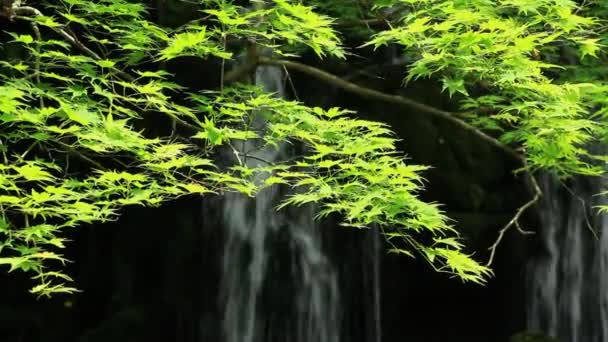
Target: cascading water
x=568 y=282
x=262 y=302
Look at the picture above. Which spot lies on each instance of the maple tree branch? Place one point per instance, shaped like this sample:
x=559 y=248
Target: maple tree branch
x=448 y=116
x=27 y=12
x=396 y=99
x=451 y=117
x=82 y=156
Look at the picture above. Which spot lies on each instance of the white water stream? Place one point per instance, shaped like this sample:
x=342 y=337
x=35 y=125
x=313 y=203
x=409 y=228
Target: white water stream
x=307 y=297
x=568 y=281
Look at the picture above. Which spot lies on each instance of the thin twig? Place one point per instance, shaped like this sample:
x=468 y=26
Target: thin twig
x=26 y=12
x=223 y=68
x=67 y=165
x=81 y=156
x=4 y=157
x=38 y=36
x=28 y=150
x=236 y=154
x=249 y=156
x=291 y=84
x=368 y=71
x=521 y=230
x=515 y=220
x=584 y=206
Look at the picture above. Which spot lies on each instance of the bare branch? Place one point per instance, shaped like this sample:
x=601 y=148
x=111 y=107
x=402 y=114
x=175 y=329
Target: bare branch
x=583 y=206
x=515 y=220
x=521 y=230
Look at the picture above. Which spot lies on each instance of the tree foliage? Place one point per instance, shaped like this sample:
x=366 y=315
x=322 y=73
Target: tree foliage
x=88 y=75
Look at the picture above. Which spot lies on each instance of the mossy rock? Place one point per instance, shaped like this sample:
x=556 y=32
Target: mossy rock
x=532 y=337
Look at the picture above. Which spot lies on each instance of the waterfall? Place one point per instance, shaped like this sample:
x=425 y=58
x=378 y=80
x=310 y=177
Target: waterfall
x=277 y=283
x=568 y=280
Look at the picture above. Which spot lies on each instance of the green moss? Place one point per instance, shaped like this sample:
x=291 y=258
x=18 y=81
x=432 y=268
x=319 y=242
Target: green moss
x=531 y=337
